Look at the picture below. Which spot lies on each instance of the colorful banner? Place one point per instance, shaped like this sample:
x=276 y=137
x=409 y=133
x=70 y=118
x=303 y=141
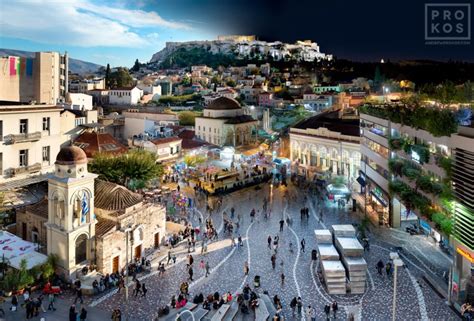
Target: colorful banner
x=12 y=66
x=29 y=66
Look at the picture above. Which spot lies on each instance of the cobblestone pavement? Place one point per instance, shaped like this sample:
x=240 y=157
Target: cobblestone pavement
x=415 y=299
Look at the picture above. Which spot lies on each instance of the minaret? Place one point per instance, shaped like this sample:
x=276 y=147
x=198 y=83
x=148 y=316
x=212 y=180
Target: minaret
x=71 y=219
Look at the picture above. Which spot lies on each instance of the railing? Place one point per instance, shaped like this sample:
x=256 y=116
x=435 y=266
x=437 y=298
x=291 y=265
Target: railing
x=26 y=169
x=20 y=138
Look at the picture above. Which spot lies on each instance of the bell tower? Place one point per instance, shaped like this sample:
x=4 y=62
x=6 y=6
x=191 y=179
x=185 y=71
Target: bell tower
x=71 y=219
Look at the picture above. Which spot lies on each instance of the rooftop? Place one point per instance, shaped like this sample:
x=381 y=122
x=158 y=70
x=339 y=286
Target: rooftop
x=113 y=197
x=332 y=122
x=165 y=140
x=223 y=103
x=92 y=142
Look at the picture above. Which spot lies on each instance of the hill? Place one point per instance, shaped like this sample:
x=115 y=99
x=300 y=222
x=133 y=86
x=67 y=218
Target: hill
x=75 y=65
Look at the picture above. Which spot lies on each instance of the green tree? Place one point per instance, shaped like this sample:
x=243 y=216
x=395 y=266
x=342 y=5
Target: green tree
x=133 y=169
x=107 y=77
x=136 y=65
x=120 y=78
x=187 y=118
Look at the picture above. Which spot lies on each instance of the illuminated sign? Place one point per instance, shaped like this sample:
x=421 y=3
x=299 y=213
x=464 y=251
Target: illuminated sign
x=466 y=254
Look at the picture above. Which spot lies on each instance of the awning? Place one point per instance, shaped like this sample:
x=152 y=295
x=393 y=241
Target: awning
x=251 y=152
x=15 y=249
x=361 y=181
x=32 y=259
x=380 y=200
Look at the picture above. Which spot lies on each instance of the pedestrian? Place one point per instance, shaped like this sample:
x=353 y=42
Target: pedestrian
x=239 y=239
x=14 y=303
x=269 y=241
x=144 y=290
x=169 y=258
x=327 y=310
x=191 y=272
x=380 y=266
x=138 y=287
x=299 y=305
x=78 y=296
x=51 y=300
x=282 y=277
x=72 y=313
x=303 y=243
x=273 y=259
x=334 y=309
x=246 y=268
x=83 y=314
x=207 y=268
x=388 y=268
x=293 y=306
x=282 y=222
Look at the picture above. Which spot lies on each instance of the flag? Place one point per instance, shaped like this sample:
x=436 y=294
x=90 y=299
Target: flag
x=12 y=66
x=22 y=66
x=85 y=208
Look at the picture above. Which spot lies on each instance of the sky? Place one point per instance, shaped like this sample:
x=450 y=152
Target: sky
x=120 y=31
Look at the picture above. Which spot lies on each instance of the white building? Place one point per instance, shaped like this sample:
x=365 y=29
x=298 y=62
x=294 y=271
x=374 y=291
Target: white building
x=83 y=86
x=138 y=123
x=31 y=138
x=150 y=89
x=223 y=123
x=125 y=96
x=78 y=101
x=326 y=142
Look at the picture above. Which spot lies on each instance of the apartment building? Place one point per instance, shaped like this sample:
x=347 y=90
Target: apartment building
x=30 y=140
x=42 y=79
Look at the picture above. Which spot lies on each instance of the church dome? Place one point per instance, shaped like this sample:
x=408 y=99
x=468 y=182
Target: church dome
x=71 y=155
x=224 y=103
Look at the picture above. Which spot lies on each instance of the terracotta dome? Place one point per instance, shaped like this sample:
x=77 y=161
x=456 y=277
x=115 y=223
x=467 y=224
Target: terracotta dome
x=224 y=103
x=71 y=155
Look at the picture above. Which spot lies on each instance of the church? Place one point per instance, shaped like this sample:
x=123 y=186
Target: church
x=224 y=123
x=86 y=221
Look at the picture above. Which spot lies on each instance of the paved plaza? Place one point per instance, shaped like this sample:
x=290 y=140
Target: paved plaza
x=416 y=300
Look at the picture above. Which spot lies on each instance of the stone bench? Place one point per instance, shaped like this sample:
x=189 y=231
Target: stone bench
x=269 y=304
x=219 y=315
x=232 y=312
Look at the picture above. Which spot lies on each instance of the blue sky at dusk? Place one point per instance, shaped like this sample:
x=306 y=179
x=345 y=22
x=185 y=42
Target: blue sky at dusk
x=114 y=32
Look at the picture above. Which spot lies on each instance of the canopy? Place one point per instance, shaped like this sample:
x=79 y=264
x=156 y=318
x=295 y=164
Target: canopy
x=15 y=249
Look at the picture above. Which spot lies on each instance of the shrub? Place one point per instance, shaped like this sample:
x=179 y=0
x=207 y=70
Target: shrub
x=423 y=151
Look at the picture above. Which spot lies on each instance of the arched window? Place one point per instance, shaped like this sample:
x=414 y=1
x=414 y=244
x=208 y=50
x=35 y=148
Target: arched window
x=81 y=248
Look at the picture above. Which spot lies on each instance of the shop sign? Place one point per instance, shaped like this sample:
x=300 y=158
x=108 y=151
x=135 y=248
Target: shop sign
x=466 y=254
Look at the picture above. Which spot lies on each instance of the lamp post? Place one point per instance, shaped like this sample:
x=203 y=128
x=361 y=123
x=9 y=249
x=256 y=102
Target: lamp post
x=398 y=263
x=183 y=312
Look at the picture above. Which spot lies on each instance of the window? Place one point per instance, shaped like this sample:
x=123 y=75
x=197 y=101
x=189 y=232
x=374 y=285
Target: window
x=204 y=128
x=23 y=126
x=1 y=163
x=46 y=152
x=210 y=129
x=1 y=130
x=199 y=127
x=46 y=121
x=23 y=157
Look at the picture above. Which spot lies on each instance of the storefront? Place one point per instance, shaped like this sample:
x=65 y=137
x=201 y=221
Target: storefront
x=462 y=282
x=378 y=203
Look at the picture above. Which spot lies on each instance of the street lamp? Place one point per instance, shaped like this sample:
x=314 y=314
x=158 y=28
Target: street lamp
x=183 y=312
x=398 y=263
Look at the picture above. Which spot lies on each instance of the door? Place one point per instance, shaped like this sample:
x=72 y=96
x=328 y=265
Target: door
x=23 y=231
x=157 y=240
x=138 y=251
x=115 y=264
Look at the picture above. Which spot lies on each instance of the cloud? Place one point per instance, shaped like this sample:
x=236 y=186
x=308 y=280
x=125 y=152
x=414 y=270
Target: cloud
x=81 y=23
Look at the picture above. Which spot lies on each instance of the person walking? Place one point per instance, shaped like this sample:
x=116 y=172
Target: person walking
x=138 y=287
x=246 y=268
x=299 y=305
x=388 y=268
x=169 y=258
x=144 y=290
x=273 y=259
x=334 y=309
x=14 y=303
x=72 y=313
x=327 y=311
x=207 y=268
x=51 y=300
x=190 y=272
x=78 y=296
x=293 y=306
x=269 y=241
x=380 y=266
x=303 y=244
x=282 y=222
x=83 y=314
x=282 y=277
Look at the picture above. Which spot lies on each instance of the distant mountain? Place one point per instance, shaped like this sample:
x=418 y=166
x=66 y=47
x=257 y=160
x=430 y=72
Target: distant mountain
x=76 y=66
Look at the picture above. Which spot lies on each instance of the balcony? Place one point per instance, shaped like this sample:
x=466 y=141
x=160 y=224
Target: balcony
x=26 y=169
x=22 y=138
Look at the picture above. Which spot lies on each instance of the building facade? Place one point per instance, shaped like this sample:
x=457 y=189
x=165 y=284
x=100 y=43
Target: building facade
x=42 y=79
x=30 y=136
x=125 y=96
x=223 y=123
x=326 y=142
